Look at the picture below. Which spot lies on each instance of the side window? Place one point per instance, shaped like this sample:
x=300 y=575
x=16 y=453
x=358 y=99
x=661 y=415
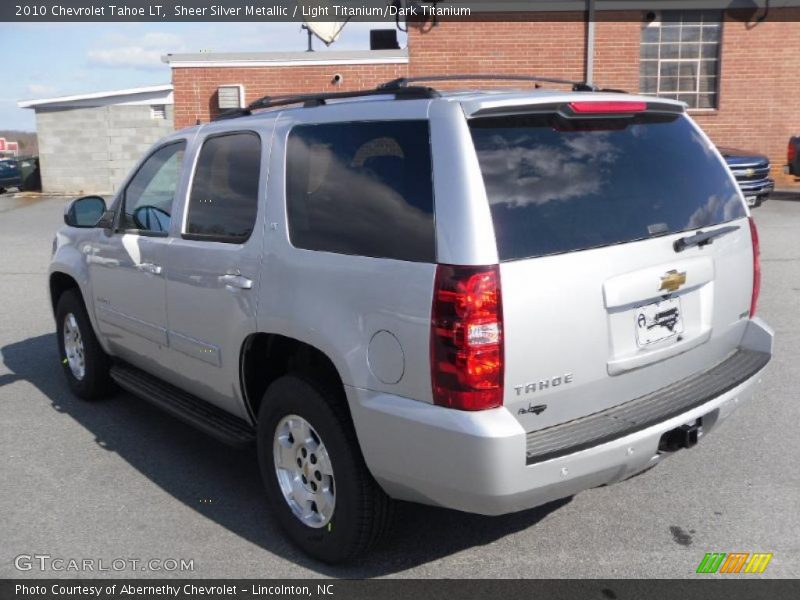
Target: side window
x=362 y=188
x=224 y=198
x=147 y=201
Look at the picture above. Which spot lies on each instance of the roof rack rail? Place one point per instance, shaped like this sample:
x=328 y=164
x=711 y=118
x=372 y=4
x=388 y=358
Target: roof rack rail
x=612 y=91
x=319 y=99
x=403 y=82
x=401 y=88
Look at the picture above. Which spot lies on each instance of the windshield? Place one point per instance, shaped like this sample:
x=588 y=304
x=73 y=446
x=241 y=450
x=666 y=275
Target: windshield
x=558 y=185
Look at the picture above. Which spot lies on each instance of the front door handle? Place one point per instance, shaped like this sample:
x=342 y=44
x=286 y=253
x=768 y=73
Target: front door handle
x=150 y=268
x=236 y=281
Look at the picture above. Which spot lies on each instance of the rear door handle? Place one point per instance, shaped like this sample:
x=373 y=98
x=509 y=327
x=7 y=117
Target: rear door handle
x=150 y=268
x=236 y=281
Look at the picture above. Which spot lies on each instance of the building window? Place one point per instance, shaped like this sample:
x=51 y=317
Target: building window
x=680 y=57
x=158 y=111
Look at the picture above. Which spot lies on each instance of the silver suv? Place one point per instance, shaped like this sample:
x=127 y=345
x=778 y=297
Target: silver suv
x=478 y=300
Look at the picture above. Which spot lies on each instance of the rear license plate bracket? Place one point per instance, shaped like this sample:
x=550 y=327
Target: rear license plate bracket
x=658 y=321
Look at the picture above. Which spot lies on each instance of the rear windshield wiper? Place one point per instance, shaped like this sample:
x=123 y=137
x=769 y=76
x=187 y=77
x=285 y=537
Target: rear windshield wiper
x=702 y=238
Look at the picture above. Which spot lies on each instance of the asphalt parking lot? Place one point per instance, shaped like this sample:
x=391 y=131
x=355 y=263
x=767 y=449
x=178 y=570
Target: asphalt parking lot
x=120 y=479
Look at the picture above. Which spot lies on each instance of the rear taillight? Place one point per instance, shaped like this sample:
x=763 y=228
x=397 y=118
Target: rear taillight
x=467 y=338
x=590 y=107
x=756 y=268
x=791 y=151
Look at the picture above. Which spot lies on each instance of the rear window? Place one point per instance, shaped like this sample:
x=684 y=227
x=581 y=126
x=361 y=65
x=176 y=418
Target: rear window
x=556 y=185
x=362 y=188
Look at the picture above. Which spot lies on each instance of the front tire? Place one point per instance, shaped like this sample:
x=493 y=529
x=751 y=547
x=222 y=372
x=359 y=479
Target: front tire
x=316 y=480
x=86 y=366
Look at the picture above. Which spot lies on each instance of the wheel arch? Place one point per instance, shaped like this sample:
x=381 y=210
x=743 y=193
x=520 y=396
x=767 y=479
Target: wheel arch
x=61 y=279
x=60 y=282
x=265 y=357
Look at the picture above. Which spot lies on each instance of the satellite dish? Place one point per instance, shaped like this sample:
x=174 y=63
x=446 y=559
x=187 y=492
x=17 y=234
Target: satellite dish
x=327 y=31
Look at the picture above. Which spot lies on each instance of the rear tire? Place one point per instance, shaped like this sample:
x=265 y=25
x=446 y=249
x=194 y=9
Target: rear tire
x=85 y=363
x=361 y=512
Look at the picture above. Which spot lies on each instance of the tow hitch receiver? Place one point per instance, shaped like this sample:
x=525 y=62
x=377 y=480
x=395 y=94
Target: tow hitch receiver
x=684 y=436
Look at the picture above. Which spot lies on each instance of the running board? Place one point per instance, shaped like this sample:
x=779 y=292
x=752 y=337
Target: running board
x=196 y=412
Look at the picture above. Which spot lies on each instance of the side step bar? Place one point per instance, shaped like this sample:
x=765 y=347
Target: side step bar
x=196 y=412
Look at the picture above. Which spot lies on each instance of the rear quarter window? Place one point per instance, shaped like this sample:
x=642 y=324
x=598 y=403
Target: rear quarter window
x=362 y=188
x=558 y=185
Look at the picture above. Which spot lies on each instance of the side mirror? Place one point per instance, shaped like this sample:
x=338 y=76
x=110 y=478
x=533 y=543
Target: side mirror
x=85 y=211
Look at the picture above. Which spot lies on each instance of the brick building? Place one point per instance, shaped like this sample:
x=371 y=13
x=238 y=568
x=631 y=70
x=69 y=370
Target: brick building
x=197 y=78
x=739 y=75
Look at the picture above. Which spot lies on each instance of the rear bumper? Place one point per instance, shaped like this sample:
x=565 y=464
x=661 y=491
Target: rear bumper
x=478 y=462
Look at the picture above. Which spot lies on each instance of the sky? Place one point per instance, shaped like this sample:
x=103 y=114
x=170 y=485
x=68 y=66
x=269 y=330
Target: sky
x=42 y=60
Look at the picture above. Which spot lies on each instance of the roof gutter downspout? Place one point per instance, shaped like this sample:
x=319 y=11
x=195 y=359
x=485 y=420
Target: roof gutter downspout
x=589 y=78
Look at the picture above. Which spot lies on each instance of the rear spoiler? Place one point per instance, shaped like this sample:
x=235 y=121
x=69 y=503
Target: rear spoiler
x=585 y=109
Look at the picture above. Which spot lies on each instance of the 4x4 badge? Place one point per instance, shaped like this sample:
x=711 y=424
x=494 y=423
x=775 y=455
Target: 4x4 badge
x=672 y=280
